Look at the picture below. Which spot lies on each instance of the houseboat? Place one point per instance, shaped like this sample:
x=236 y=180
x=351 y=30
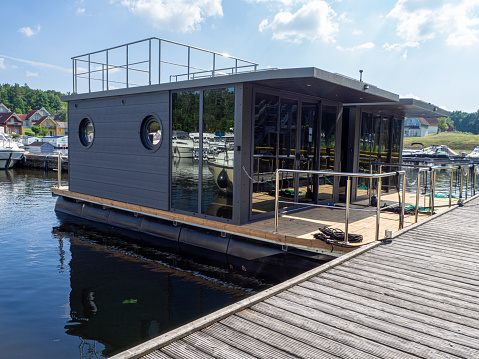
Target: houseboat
x=291 y=136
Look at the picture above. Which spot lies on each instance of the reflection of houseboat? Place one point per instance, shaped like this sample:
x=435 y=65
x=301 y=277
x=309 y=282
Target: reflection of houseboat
x=10 y=153
x=297 y=119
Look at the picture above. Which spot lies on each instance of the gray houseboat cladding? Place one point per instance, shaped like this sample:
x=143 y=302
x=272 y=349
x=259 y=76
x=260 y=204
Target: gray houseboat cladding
x=207 y=147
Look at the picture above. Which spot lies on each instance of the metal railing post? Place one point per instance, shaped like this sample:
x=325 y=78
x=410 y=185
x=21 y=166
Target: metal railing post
x=450 y=188
x=107 y=69
x=403 y=206
x=418 y=192
x=346 y=220
x=214 y=65
x=474 y=188
x=189 y=50
x=159 y=62
x=467 y=180
x=149 y=62
x=59 y=170
x=433 y=189
x=276 y=202
x=378 y=209
x=460 y=186
x=127 y=85
x=74 y=74
x=89 y=74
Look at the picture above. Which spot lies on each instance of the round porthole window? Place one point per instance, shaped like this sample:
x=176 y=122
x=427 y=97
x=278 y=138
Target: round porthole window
x=151 y=133
x=86 y=132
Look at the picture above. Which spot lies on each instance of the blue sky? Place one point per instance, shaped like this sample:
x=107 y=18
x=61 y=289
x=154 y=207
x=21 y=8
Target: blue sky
x=426 y=49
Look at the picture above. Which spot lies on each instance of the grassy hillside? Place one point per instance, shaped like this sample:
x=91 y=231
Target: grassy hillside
x=459 y=142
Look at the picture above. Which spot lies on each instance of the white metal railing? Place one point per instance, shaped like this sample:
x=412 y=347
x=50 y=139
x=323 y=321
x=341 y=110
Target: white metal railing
x=348 y=195
x=101 y=70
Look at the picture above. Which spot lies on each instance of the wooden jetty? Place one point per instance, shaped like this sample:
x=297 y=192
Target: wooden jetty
x=415 y=297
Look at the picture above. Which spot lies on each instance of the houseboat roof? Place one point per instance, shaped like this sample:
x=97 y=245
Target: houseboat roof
x=308 y=81
x=406 y=107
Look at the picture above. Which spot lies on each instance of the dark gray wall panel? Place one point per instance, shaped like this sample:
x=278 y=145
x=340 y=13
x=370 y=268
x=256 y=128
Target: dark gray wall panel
x=123 y=194
x=117 y=166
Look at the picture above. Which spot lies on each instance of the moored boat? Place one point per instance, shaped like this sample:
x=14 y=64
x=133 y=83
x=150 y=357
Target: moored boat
x=10 y=153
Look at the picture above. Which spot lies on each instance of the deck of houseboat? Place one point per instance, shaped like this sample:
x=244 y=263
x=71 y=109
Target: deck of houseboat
x=296 y=226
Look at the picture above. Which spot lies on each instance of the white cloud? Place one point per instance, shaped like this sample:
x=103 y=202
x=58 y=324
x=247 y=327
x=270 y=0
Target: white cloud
x=314 y=20
x=457 y=22
x=357 y=32
x=27 y=31
x=2 y=64
x=176 y=15
x=32 y=74
x=37 y=64
x=81 y=11
x=404 y=55
x=365 y=46
x=400 y=47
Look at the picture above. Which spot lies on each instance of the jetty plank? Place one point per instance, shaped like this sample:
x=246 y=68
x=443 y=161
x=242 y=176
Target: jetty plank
x=415 y=297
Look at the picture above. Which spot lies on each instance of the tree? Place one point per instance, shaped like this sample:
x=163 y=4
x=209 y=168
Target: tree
x=442 y=126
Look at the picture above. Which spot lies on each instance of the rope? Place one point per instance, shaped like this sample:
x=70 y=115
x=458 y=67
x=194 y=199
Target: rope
x=251 y=178
x=335 y=235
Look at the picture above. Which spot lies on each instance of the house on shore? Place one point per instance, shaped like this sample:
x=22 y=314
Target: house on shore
x=10 y=121
x=420 y=126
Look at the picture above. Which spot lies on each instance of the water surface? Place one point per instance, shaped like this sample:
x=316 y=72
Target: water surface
x=73 y=291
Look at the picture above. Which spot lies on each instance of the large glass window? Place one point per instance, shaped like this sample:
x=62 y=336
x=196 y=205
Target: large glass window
x=185 y=169
x=218 y=152
x=328 y=142
x=203 y=152
x=307 y=151
x=265 y=152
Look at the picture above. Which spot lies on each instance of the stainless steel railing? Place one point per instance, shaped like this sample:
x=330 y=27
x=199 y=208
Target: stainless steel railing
x=347 y=209
x=149 y=59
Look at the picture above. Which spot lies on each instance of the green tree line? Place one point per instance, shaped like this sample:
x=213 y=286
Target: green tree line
x=465 y=122
x=21 y=99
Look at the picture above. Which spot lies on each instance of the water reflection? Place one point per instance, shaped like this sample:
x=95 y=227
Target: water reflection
x=127 y=288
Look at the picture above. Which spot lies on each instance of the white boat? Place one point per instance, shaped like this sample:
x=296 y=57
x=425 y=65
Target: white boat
x=10 y=153
x=182 y=145
x=222 y=169
x=474 y=153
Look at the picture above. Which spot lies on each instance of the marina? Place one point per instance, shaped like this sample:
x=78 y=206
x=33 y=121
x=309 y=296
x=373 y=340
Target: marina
x=414 y=297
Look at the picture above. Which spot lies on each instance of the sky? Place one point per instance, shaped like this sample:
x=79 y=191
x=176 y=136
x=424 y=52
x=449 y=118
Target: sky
x=424 y=49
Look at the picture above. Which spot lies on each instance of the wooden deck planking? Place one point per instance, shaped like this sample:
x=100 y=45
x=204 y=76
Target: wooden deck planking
x=416 y=297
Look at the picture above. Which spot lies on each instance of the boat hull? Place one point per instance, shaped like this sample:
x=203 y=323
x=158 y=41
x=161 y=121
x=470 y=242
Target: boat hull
x=223 y=176
x=9 y=157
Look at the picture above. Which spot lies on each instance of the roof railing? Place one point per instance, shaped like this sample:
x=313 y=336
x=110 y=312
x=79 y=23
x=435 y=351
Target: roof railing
x=120 y=66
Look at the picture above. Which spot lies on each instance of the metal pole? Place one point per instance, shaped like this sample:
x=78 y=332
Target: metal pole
x=430 y=183
x=276 y=202
x=475 y=174
x=378 y=209
x=127 y=85
x=460 y=189
x=74 y=74
x=450 y=188
x=149 y=62
x=433 y=189
x=59 y=170
x=189 y=62
x=214 y=64
x=159 y=62
x=103 y=77
x=348 y=200
x=107 y=68
x=467 y=180
x=403 y=207
x=89 y=74
x=418 y=192
x=370 y=189
x=236 y=66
